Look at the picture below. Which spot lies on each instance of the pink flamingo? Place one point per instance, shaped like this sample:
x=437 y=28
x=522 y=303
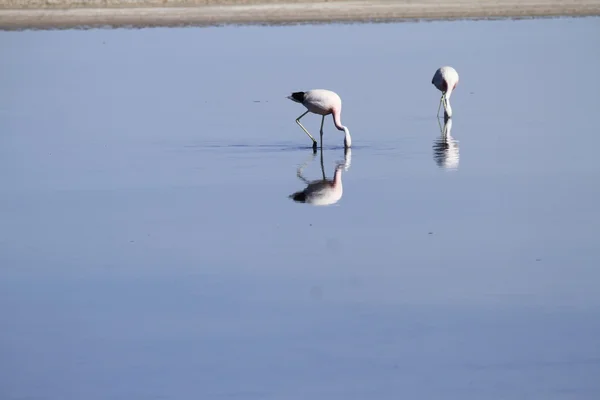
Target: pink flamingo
x=323 y=192
x=445 y=80
x=322 y=102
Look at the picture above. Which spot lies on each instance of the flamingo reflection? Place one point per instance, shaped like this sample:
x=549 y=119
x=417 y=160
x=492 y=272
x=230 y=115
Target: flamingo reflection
x=445 y=148
x=323 y=192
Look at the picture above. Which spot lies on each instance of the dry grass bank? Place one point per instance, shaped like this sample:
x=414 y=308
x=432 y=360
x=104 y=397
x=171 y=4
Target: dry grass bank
x=18 y=14
x=66 y=4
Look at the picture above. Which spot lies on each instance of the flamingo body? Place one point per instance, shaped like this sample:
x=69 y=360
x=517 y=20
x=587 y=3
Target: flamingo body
x=322 y=102
x=445 y=80
x=322 y=192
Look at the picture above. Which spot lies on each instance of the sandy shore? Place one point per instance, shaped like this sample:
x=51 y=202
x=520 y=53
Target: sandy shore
x=43 y=14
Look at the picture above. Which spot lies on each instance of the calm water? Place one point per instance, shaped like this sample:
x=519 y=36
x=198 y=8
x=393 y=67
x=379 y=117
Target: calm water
x=149 y=250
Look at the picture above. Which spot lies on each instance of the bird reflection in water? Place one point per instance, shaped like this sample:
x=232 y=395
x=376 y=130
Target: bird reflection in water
x=445 y=148
x=323 y=192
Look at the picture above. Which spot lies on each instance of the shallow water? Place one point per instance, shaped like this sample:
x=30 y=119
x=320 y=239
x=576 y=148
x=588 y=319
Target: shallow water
x=149 y=249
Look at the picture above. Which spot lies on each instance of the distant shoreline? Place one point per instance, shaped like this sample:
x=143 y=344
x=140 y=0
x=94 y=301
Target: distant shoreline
x=64 y=14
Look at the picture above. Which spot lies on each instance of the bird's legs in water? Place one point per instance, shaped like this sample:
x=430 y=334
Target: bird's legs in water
x=322 y=122
x=443 y=130
x=440 y=105
x=322 y=165
x=304 y=129
x=301 y=167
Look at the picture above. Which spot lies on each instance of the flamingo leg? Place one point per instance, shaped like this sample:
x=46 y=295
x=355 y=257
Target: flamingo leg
x=301 y=168
x=445 y=108
x=304 y=129
x=440 y=105
x=322 y=164
x=322 y=122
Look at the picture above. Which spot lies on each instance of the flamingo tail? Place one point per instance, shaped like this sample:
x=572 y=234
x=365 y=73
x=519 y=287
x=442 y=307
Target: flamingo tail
x=299 y=197
x=298 y=97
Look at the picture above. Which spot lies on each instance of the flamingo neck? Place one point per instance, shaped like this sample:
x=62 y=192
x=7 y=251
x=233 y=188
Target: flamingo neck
x=338 y=124
x=448 y=128
x=447 y=106
x=337 y=178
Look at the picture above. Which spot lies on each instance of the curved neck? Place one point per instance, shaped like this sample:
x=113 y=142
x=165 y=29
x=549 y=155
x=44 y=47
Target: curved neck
x=338 y=124
x=337 y=120
x=337 y=177
x=448 y=127
x=448 y=107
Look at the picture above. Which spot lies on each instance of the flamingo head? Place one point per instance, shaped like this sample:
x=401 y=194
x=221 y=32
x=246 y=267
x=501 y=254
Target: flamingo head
x=347 y=138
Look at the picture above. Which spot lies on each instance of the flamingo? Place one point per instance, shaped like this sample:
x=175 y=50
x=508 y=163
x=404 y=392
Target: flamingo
x=323 y=192
x=445 y=80
x=322 y=102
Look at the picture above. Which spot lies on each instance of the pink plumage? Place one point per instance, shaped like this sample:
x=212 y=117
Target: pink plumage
x=445 y=80
x=322 y=102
